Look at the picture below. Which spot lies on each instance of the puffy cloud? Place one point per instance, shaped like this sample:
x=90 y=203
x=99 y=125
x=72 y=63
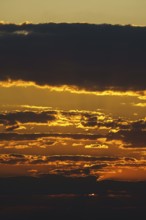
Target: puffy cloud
x=93 y=57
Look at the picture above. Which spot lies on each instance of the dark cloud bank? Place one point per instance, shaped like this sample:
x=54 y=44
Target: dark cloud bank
x=94 y=57
x=30 y=198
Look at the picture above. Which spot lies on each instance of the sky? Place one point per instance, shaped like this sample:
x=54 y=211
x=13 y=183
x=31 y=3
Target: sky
x=73 y=99
x=72 y=109
x=85 y=11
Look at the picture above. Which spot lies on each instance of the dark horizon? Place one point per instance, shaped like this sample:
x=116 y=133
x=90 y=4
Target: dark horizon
x=52 y=196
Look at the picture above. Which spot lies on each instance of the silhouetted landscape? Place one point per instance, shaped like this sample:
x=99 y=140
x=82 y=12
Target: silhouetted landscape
x=54 y=197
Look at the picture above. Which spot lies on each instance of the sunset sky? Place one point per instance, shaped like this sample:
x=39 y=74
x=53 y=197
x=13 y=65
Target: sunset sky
x=73 y=100
x=72 y=109
x=90 y=11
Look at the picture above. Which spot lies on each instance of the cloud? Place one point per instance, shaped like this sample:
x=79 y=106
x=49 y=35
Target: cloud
x=73 y=172
x=71 y=166
x=57 y=184
x=82 y=119
x=12 y=159
x=82 y=158
x=132 y=138
x=54 y=196
x=27 y=116
x=13 y=120
x=12 y=127
x=131 y=133
x=91 y=57
x=37 y=159
x=66 y=163
x=140 y=104
x=51 y=184
x=35 y=136
x=96 y=146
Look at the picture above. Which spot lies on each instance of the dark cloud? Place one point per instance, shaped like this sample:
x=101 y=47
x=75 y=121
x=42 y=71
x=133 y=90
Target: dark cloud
x=90 y=121
x=132 y=138
x=81 y=158
x=12 y=127
x=17 y=155
x=133 y=133
x=31 y=159
x=13 y=159
x=58 y=197
x=94 y=57
x=85 y=171
x=12 y=120
x=17 y=136
x=27 y=116
x=76 y=172
x=46 y=184
x=56 y=184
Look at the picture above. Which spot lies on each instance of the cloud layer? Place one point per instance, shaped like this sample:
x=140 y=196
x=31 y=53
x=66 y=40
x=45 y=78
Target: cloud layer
x=93 y=57
x=75 y=125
